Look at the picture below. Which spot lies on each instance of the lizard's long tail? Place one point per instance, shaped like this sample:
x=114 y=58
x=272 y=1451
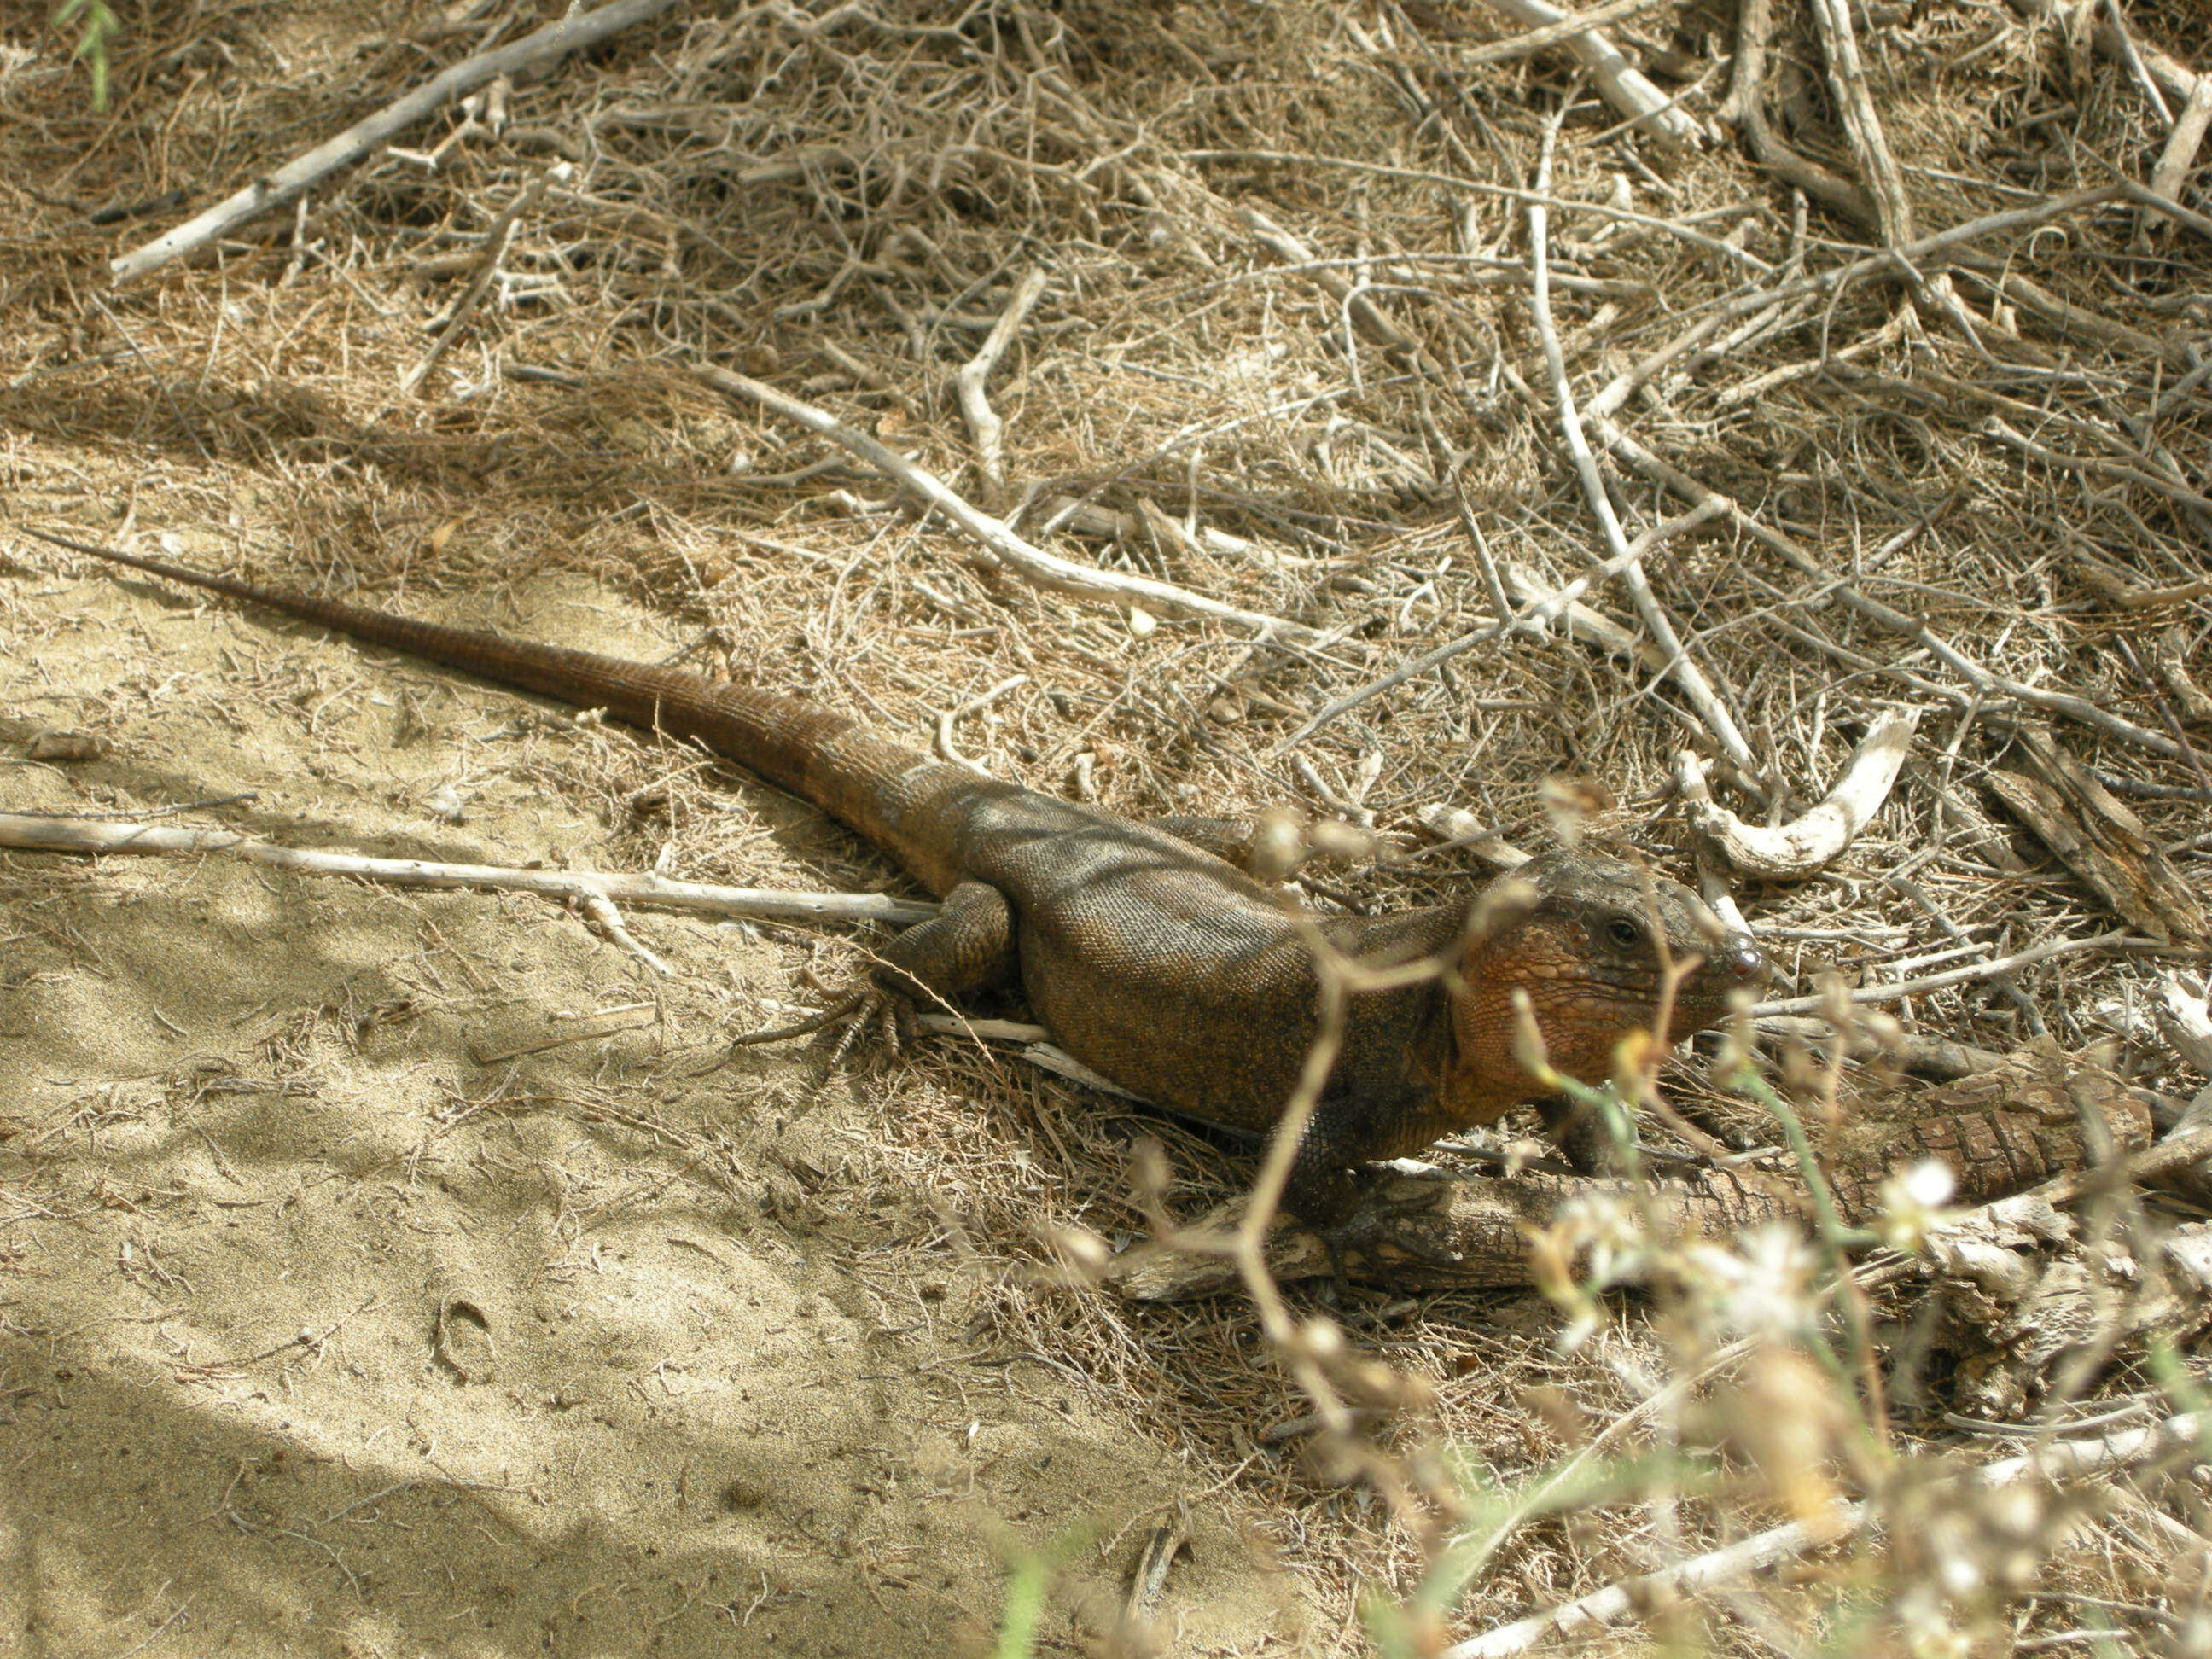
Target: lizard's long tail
x=829 y=758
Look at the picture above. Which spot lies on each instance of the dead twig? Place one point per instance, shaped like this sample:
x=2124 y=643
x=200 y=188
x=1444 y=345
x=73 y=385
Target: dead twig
x=1685 y=672
x=998 y=539
x=495 y=249
x=982 y=421
x=2182 y=1438
x=46 y=835
x=556 y=40
x=1997 y=969
x=1619 y=82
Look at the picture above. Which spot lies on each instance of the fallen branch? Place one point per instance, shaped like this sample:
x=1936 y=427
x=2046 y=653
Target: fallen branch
x=2179 y=158
x=1619 y=81
x=2166 y=75
x=1898 y=990
x=1786 y=851
x=1456 y=826
x=997 y=538
x=45 y=834
x=1745 y=109
x=555 y=40
x=2184 y=1437
x=2188 y=218
x=1685 y=672
x=1570 y=24
x=1434 y=1231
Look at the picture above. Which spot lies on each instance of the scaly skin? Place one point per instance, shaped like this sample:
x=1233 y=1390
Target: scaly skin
x=1150 y=959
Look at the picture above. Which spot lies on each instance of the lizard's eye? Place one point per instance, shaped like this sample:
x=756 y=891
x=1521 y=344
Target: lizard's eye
x=1622 y=931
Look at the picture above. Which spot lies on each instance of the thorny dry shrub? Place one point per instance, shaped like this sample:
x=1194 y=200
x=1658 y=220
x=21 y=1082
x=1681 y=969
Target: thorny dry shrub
x=840 y=199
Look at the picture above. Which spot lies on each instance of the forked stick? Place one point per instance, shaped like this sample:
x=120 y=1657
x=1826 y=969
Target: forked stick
x=994 y=535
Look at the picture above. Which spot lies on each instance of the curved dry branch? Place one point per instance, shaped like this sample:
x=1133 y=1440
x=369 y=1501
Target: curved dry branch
x=1783 y=852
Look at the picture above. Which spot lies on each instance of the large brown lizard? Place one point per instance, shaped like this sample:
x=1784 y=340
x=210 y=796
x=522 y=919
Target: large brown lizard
x=1149 y=956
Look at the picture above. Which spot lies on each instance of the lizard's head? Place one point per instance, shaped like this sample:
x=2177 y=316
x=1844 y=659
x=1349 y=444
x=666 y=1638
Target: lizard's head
x=1592 y=941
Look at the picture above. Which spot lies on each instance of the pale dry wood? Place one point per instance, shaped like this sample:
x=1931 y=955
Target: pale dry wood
x=2067 y=317
x=1456 y=826
x=1571 y=23
x=2169 y=657
x=1878 y=168
x=46 y=835
x=1783 y=852
x=2099 y=838
x=2178 y=157
x=1862 y=127
x=1897 y=991
x=1685 y=672
x=2184 y=1438
x=1622 y=84
x=983 y=422
x=556 y=40
x=994 y=536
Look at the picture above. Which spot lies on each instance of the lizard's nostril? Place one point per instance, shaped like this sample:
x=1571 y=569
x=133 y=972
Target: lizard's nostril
x=1744 y=964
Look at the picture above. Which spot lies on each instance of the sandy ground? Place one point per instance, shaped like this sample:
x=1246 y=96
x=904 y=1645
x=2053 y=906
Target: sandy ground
x=389 y=1272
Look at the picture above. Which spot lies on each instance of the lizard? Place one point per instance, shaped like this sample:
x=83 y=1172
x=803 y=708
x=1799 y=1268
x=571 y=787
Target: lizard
x=1148 y=955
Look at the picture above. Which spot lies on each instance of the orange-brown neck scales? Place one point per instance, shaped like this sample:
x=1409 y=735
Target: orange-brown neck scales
x=1593 y=973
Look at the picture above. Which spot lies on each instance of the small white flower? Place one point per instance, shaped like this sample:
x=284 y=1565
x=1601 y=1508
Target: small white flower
x=1761 y=1287
x=1912 y=1202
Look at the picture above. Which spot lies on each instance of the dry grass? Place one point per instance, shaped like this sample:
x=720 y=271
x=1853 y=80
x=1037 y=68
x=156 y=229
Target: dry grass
x=840 y=200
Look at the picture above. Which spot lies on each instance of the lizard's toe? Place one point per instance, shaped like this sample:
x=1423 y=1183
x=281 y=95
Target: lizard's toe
x=850 y=1011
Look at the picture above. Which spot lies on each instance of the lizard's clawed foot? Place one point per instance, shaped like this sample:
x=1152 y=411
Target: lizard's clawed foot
x=855 y=1012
